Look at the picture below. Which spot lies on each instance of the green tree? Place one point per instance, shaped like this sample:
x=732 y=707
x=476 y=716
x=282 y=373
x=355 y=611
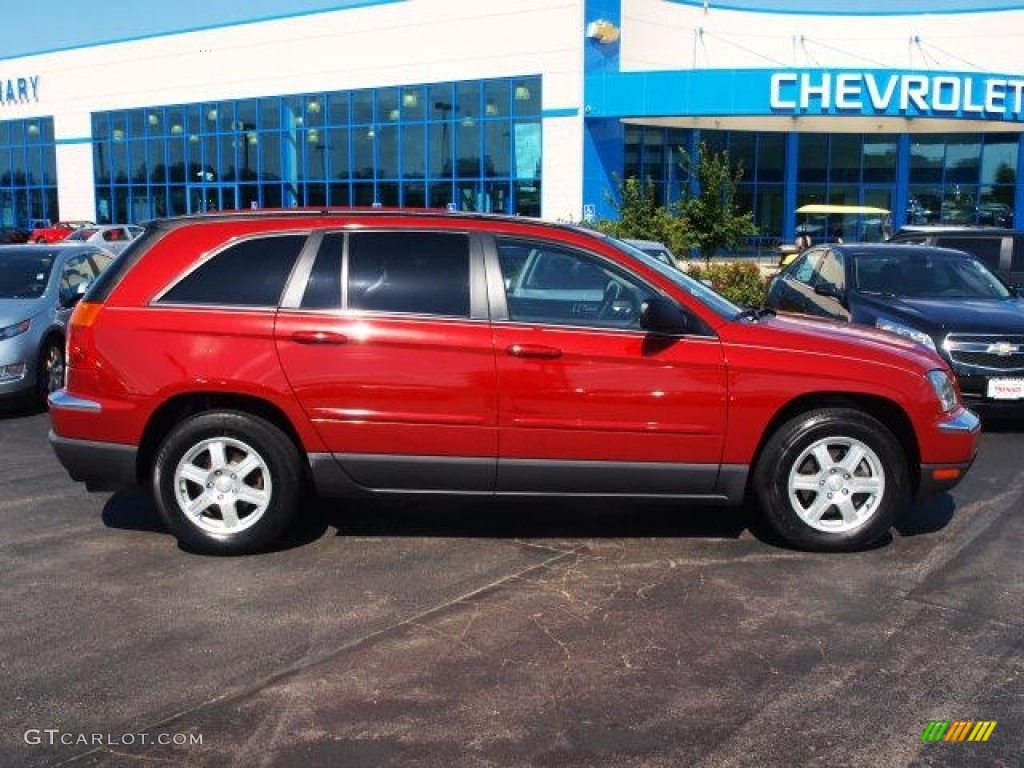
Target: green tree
x=640 y=216
x=710 y=213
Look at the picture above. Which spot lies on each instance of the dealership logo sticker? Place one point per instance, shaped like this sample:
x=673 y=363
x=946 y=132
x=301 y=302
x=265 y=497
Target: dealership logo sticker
x=958 y=730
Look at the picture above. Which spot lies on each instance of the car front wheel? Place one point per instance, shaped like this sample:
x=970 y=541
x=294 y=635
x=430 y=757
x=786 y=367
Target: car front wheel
x=227 y=482
x=832 y=479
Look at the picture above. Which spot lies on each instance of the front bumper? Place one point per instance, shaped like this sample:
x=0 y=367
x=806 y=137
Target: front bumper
x=936 y=478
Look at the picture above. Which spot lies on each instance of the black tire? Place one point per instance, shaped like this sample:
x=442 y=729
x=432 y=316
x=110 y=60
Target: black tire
x=50 y=370
x=833 y=479
x=241 y=475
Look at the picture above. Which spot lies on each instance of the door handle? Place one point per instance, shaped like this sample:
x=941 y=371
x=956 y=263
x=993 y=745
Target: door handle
x=319 y=337
x=533 y=350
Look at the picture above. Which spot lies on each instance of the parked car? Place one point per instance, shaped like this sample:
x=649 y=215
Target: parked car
x=660 y=251
x=229 y=361
x=1002 y=250
x=38 y=289
x=9 y=234
x=56 y=232
x=114 y=237
x=947 y=300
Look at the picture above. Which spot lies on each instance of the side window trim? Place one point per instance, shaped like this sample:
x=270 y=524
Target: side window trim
x=295 y=286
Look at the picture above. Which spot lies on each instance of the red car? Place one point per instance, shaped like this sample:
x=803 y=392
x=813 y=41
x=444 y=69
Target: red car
x=231 y=362
x=56 y=232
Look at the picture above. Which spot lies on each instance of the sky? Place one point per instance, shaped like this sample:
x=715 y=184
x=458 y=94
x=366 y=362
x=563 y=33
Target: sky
x=35 y=26
x=47 y=25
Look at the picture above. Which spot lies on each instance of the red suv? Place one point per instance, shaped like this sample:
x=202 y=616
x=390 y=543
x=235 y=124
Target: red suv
x=54 y=233
x=232 y=361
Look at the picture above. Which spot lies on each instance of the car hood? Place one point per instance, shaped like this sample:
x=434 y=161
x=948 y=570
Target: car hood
x=15 y=310
x=940 y=316
x=802 y=333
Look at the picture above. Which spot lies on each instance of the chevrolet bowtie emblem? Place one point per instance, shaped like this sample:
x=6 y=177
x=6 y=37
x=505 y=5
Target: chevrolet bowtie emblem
x=1003 y=349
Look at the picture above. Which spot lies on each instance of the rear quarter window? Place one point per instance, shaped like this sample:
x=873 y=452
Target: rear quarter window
x=251 y=273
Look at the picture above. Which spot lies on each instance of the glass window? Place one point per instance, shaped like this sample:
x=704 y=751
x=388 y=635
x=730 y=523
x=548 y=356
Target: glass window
x=963 y=159
x=845 y=152
x=927 y=154
x=880 y=159
x=831 y=271
x=250 y=273
x=999 y=159
x=362 y=107
x=771 y=156
x=806 y=267
x=813 y=162
x=549 y=284
x=425 y=273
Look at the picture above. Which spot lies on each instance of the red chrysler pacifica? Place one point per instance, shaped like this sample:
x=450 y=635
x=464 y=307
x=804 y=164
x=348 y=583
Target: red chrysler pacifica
x=232 y=361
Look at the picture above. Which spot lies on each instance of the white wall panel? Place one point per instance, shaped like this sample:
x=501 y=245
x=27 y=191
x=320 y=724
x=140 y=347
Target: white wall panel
x=663 y=35
x=420 y=41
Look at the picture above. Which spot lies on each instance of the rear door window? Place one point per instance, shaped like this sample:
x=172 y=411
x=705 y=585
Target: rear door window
x=422 y=273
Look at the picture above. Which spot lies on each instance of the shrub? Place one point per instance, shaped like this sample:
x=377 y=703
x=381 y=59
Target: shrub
x=740 y=282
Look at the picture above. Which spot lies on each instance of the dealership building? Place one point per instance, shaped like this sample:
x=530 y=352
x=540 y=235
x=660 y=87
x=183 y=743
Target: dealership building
x=537 y=107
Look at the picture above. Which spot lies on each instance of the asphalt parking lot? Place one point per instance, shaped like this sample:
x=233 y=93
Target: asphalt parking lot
x=476 y=633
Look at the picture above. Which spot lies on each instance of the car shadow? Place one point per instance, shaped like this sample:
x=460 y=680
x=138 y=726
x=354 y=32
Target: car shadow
x=539 y=518
x=461 y=517
x=930 y=516
x=526 y=519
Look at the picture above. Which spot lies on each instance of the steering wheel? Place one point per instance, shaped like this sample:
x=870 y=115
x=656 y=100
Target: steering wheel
x=617 y=303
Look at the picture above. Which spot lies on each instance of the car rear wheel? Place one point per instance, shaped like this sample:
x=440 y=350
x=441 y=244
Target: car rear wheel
x=227 y=482
x=831 y=480
x=50 y=376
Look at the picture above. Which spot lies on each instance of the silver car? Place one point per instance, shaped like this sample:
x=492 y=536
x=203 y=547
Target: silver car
x=39 y=286
x=112 y=237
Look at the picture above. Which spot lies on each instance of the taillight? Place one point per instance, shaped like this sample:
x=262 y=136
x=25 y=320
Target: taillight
x=80 y=341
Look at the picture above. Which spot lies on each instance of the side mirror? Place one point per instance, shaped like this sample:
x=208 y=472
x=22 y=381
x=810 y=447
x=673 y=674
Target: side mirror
x=661 y=315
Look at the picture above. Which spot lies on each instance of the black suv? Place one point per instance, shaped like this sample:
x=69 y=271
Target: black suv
x=945 y=299
x=1002 y=250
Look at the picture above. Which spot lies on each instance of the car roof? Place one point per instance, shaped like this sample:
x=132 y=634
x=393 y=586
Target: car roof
x=52 y=248
x=899 y=250
x=951 y=229
x=645 y=243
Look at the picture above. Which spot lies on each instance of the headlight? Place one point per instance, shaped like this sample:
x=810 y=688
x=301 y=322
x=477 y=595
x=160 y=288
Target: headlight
x=15 y=330
x=944 y=388
x=905 y=330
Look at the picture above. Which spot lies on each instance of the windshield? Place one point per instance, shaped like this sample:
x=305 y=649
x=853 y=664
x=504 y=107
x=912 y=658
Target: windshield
x=703 y=293
x=24 y=275
x=927 y=275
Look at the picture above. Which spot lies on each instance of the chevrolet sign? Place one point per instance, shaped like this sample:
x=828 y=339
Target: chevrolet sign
x=884 y=93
